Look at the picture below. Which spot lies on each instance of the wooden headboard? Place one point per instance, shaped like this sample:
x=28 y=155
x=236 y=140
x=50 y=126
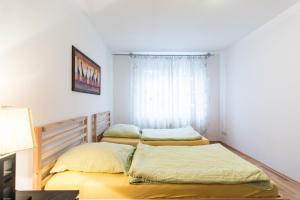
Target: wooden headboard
x=101 y=122
x=50 y=141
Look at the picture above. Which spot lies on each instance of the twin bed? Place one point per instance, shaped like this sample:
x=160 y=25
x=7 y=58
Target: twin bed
x=157 y=137
x=156 y=172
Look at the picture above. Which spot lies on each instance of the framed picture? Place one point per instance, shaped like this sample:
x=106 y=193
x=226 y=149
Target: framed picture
x=86 y=74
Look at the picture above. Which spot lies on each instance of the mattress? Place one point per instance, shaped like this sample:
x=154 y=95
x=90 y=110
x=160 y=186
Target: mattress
x=116 y=186
x=202 y=141
x=118 y=140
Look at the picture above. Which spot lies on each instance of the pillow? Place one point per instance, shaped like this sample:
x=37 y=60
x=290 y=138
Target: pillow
x=123 y=131
x=96 y=157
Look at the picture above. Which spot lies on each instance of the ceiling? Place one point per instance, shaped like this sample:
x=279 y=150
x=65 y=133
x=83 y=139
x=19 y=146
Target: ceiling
x=178 y=25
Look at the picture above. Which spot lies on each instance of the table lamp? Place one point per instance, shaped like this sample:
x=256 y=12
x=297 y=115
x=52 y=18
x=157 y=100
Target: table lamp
x=16 y=133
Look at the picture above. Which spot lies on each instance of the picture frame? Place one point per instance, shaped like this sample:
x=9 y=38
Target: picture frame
x=86 y=74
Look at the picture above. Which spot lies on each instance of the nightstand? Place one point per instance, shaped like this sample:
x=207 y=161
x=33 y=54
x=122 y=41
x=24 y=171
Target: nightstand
x=47 y=195
x=7 y=176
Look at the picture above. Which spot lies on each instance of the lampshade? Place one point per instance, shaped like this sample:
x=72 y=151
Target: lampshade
x=15 y=129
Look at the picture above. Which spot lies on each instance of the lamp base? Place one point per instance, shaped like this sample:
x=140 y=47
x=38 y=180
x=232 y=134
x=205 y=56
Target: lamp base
x=23 y=195
x=29 y=198
x=7 y=176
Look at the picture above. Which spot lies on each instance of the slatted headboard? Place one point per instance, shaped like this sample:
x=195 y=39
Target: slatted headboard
x=50 y=141
x=101 y=122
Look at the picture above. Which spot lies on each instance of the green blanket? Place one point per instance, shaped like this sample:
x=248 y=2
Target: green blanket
x=186 y=133
x=206 y=164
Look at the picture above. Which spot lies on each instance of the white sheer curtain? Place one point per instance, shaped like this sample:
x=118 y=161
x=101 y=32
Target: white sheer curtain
x=169 y=91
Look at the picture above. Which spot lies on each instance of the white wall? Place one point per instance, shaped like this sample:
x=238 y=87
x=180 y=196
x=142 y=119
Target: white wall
x=122 y=76
x=121 y=91
x=35 y=65
x=262 y=97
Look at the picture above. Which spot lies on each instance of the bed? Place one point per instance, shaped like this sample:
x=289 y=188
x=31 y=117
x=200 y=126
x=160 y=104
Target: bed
x=108 y=186
x=53 y=140
x=101 y=122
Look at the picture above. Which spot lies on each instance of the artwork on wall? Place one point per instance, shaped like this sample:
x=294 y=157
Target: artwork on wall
x=86 y=74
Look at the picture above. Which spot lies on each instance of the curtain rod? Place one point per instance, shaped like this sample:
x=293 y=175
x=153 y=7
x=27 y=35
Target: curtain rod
x=144 y=54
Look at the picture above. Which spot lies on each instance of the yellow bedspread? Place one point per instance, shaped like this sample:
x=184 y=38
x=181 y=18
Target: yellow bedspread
x=202 y=141
x=116 y=186
x=134 y=142
x=117 y=140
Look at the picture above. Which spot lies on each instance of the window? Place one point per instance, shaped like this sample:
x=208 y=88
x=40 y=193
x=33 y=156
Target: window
x=169 y=91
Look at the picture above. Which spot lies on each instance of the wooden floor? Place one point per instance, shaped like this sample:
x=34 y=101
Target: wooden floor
x=288 y=188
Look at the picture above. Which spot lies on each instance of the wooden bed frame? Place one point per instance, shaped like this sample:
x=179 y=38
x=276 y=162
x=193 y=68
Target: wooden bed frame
x=52 y=140
x=101 y=122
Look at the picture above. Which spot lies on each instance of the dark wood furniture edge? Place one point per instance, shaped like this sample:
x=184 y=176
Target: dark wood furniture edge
x=49 y=195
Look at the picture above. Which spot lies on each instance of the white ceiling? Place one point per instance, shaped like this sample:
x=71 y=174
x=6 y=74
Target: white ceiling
x=178 y=25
